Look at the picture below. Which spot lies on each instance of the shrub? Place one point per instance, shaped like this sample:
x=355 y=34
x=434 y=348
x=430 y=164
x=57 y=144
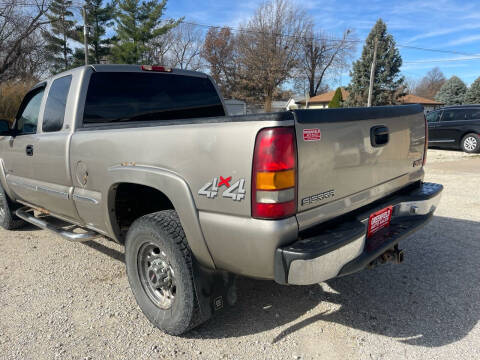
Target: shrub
x=11 y=95
x=336 y=101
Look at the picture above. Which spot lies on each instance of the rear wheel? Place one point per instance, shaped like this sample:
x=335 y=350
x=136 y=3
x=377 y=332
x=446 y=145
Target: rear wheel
x=471 y=143
x=159 y=269
x=8 y=219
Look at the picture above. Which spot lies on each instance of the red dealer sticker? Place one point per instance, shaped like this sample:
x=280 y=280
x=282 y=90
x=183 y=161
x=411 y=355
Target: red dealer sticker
x=379 y=220
x=312 y=134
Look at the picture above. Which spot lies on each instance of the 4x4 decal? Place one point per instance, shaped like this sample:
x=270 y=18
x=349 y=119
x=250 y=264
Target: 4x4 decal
x=236 y=191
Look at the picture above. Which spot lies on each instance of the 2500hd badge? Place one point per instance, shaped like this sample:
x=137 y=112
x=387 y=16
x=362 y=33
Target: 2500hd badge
x=318 y=197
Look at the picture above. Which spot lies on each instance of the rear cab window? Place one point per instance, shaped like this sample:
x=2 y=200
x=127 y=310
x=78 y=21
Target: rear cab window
x=119 y=97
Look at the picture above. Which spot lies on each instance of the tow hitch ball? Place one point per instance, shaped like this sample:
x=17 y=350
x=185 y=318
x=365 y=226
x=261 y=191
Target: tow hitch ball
x=394 y=255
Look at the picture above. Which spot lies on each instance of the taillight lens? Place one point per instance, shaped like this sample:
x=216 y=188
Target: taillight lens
x=426 y=142
x=274 y=193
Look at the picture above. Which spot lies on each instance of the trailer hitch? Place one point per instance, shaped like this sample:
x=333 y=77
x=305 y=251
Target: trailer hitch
x=394 y=255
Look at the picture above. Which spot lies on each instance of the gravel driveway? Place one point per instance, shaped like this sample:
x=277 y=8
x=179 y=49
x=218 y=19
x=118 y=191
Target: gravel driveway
x=60 y=300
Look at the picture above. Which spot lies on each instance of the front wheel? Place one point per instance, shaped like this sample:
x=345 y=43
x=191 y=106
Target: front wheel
x=471 y=143
x=8 y=219
x=159 y=270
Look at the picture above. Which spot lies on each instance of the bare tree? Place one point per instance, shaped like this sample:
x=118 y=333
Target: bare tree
x=411 y=85
x=268 y=49
x=322 y=54
x=430 y=84
x=219 y=52
x=19 y=40
x=158 y=49
x=186 y=46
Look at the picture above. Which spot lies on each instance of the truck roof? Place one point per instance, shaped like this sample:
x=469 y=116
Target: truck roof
x=119 y=68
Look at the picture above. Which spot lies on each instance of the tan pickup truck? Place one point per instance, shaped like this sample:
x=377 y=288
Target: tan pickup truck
x=147 y=156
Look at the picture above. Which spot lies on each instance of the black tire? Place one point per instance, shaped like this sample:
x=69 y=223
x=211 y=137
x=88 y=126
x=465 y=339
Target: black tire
x=8 y=219
x=471 y=143
x=162 y=229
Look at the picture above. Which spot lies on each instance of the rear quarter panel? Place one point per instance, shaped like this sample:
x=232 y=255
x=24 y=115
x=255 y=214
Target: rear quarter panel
x=195 y=152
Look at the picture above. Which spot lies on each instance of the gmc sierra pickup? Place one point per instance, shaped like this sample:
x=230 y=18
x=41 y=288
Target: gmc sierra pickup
x=146 y=156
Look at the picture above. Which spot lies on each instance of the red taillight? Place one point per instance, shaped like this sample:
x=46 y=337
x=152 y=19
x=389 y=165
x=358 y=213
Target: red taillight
x=274 y=194
x=156 y=68
x=426 y=142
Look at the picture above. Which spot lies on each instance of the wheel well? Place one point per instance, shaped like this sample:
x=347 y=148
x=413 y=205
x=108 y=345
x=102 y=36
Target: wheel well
x=469 y=132
x=132 y=201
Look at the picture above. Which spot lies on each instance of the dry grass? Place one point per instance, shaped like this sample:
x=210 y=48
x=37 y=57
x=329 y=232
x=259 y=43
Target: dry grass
x=11 y=95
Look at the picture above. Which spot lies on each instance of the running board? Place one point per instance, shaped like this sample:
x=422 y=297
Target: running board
x=69 y=235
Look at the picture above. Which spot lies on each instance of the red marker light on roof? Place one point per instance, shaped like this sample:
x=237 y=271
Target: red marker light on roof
x=156 y=68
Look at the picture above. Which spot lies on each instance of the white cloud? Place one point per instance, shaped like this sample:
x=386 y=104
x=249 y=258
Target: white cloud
x=444 y=31
x=464 y=40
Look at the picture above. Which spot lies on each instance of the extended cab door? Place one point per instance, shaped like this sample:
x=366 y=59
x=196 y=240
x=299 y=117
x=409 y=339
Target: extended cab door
x=51 y=154
x=17 y=151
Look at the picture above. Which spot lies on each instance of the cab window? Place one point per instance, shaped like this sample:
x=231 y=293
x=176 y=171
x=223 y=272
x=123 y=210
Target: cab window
x=473 y=114
x=54 y=113
x=453 y=115
x=30 y=110
x=433 y=116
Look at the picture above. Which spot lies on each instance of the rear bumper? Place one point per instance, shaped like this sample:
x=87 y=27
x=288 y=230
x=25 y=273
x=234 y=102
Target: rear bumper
x=341 y=248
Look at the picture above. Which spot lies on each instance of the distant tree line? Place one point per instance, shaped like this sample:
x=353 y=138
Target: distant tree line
x=451 y=91
x=278 y=44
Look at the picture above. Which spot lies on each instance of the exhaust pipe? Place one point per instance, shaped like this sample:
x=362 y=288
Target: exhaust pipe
x=394 y=255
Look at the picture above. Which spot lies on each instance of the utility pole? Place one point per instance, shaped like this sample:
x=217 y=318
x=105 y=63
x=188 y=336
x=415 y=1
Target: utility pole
x=372 y=73
x=85 y=32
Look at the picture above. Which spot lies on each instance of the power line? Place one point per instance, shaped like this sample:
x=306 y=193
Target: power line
x=442 y=60
x=454 y=52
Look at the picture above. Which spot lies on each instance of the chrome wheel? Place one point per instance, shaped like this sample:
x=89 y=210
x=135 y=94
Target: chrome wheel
x=470 y=143
x=157 y=275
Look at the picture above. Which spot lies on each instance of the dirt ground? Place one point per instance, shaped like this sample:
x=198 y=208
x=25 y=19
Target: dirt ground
x=60 y=300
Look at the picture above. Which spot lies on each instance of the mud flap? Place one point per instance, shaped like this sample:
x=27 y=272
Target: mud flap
x=215 y=290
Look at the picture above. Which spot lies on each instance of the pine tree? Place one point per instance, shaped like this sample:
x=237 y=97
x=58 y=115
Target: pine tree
x=62 y=29
x=388 y=84
x=452 y=92
x=336 y=101
x=99 y=18
x=137 y=24
x=473 y=93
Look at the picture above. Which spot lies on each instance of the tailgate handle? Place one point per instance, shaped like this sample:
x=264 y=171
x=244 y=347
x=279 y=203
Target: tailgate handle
x=379 y=136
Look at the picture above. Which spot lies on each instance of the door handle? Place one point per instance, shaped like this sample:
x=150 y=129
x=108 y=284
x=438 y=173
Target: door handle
x=379 y=136
x=29 y=150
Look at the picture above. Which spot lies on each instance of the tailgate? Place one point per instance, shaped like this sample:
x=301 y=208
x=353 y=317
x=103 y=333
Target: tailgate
x=340 y=151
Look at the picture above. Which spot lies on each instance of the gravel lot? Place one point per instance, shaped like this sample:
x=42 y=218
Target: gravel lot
x=60 y=300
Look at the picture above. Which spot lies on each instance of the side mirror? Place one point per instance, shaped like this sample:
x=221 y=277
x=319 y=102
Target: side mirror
x=5 y=128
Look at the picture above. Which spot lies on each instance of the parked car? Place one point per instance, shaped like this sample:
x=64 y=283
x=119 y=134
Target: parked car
x=145 y=156
x=455 y=127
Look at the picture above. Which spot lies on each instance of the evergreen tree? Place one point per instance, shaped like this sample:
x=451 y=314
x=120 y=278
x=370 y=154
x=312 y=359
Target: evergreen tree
x=99 y=18
x=388 y=84
x=473 y=93
x=62 y=29
x=137 y=24
x=452 y=92
x=336 y=101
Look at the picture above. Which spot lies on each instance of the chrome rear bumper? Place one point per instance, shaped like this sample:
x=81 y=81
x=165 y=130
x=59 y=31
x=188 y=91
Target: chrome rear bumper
x=343 y=248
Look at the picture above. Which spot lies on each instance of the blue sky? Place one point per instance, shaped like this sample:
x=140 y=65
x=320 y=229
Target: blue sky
x=451 y=25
